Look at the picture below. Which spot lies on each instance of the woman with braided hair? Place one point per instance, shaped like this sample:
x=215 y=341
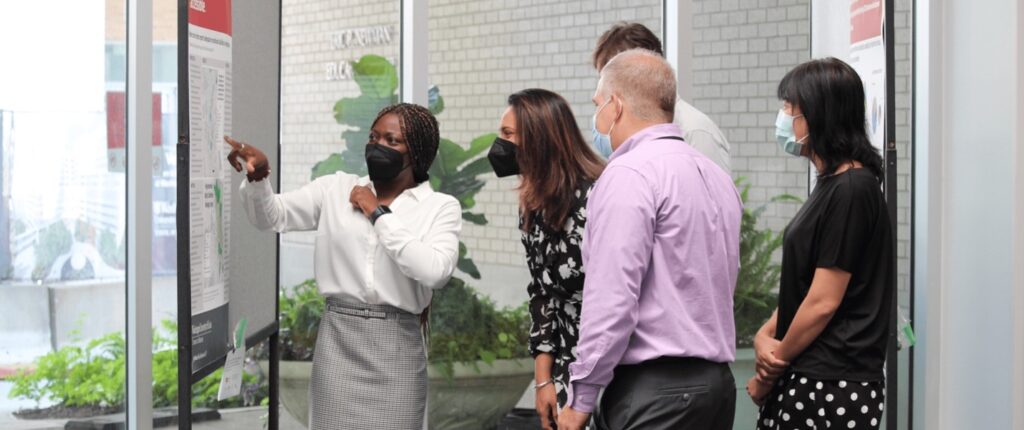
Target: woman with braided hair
x=383 y=244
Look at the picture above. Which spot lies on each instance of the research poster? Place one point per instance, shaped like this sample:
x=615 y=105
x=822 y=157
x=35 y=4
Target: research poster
x=867 y=57
x=209 y=92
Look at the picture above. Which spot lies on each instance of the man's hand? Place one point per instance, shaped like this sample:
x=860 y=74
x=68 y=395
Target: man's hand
x=571 y=419
x=364 y=199
x=547 y=406
x=256 y=165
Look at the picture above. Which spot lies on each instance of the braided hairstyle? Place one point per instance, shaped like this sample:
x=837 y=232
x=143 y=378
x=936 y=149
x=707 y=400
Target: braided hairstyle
x=421 y=135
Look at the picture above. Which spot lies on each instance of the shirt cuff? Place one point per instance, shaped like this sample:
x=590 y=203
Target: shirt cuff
x=386 y=226
x=583 y=397
x=256 y=189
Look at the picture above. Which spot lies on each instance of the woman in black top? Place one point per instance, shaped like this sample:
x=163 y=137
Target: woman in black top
x=540 y=141
x=820 y=357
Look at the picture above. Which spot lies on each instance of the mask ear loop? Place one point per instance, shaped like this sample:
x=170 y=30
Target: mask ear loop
x=610 y=129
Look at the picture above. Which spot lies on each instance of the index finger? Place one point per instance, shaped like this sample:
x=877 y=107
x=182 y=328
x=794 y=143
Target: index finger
x=234 y=144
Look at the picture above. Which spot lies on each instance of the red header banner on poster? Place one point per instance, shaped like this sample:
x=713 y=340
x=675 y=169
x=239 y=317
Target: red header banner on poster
x=211 y=14
x=865 y=20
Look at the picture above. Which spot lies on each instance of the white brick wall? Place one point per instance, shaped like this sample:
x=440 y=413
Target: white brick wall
x=741 y=51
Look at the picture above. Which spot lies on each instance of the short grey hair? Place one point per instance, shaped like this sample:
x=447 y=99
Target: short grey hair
x=644 y=81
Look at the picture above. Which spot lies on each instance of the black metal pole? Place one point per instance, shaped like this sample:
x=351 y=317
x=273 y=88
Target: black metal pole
x=182 y=221
x=275 y=356
x=913 y=210
x=274 y=393
x=892 y=356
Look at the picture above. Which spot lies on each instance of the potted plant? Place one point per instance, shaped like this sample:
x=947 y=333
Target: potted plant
x=477 y=353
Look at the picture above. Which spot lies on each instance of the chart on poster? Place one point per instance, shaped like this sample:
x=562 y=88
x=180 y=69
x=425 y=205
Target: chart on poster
x=209 y=95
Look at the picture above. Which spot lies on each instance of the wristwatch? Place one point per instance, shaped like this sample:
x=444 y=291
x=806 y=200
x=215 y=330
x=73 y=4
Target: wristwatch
x=381 y=210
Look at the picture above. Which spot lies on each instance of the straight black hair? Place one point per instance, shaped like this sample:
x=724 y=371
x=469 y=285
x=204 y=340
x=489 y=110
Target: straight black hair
x=830 y=96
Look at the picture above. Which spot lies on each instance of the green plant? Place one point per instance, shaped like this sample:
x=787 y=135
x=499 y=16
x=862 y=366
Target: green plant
x=111 y=251
x=758 y=278
x=54 y=241
x=467 y=328
x=301 y=311
x=94 y=375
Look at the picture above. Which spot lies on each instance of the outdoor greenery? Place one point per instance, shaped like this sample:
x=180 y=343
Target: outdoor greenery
x=301 y=310
x=758 y=278
x=93 y=374
x=53 y=242
x=113 y=253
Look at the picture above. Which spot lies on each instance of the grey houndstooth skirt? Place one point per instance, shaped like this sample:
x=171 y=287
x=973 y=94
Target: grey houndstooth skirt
x=369 y=369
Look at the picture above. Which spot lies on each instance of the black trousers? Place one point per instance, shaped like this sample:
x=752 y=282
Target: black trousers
x=669 y=393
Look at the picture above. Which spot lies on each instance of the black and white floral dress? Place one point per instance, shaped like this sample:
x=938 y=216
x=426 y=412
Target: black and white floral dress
x=554 y=257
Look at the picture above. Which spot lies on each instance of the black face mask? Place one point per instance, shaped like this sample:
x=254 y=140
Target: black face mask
x=503 y=158
x=383 y=163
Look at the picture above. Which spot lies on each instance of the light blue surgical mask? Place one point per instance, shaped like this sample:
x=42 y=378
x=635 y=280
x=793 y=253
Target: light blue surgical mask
x=602 y=142
x=785 y=135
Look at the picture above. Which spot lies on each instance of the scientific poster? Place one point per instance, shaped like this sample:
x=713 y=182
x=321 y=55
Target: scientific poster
x=209 y=77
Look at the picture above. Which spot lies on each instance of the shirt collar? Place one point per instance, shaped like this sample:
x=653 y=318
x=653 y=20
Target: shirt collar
x=649 y=133
x=418 y=192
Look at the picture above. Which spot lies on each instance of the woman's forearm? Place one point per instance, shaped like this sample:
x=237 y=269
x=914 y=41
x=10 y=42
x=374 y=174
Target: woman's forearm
x=809 y=322
x=542 y=365
x=828 y=288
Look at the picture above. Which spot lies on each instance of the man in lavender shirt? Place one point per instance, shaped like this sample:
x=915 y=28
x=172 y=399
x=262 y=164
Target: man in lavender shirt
x=661 y=252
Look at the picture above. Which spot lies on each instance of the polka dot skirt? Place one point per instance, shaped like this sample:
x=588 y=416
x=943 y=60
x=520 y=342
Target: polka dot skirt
x=798 y=402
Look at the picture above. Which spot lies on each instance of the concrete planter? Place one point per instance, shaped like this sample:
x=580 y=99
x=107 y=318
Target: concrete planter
x=471 y=400
x=294 y=387
x=475 y=400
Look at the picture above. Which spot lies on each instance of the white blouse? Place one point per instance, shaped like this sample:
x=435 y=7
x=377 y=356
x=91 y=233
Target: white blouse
x=397 y=262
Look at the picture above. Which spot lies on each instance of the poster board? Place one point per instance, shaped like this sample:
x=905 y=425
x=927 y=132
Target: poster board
x=228 y=80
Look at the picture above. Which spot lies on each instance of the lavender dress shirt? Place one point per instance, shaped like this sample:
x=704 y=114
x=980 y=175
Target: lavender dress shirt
x=661 y=252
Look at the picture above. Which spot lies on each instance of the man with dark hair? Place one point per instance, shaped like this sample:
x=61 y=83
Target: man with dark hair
x=698 y=130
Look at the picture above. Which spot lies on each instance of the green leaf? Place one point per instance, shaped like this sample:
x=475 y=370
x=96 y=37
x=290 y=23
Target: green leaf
x=480 y=144
x=360 y=111
x=477 y=167
x=488 y=356
x=478 y=219
x=467 y=266
x=503 y=337
x=333 y=163
x=376 y=76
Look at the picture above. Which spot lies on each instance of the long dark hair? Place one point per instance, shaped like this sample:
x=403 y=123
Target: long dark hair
x=830 y=96
x=553 y=157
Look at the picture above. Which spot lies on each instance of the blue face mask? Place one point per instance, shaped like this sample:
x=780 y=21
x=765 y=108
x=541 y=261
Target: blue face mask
x=602 y=142
x=785 y=136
